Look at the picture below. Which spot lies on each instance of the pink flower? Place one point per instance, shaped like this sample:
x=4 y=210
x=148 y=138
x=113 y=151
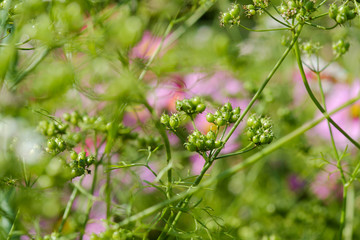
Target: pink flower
x=327 y=183
x=348 y=119
x=330 y=76
x=148 y=45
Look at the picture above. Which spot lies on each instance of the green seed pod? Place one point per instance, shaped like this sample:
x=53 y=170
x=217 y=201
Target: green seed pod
x=236 y=110
x=190 y=147
x=333 y=11
x=234 y=118
x=200 y=144
x=174 y=122
x=210 y=117
x=164 y=119
x=60 y=144
x=341 y=18
x=283 y=9
x=90 y=160
x=73 y=155
x=187 y=107
x=73 y=164
x=263 y=139
x=251 y=120
x=200 y=108
x=250 y=133
x=309 y=5
x=234 y=12
x=292 y=4
x=220 y=121
x=82 y=163
x=228 y=106
x=196 y=134
x=226 y=116
x=218 y=144
x=191 y=139
x=226 y=18
x=195 y=101
x=211 y=135
x=178 y=105
x=67 y=117
x=51 y=144
x=82 y=156
x=210 y=144
x=256 y=139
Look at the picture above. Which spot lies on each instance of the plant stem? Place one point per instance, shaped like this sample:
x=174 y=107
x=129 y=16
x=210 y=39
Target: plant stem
x=30 y=68
x=165 y=138
x=68 y=206
x=108 y=187
x=182 y=204
x=313 y=98
x=13 y=226
x=236 y=168
x=259 y=91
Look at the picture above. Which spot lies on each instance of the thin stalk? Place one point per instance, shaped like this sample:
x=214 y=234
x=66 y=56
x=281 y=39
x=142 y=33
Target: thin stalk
x=277 y=20
x=153 y=56
x=13 y=226
x=348 y=229
x=93 y=184
x=182 y=204
x=177 y=33
x=165 y=138
x=108 y=188
x=30 y=68
x=321 y=27
x=263 y=30
x=246 y=149
x=316 y=102
x=338 y=160
x=68 y=207
x=259 y=91
x=171 y=223
x=240 y=166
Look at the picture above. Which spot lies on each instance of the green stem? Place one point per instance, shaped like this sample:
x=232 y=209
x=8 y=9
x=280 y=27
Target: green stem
x=182 y=204
x=108 y=188
x=263 y=30
x=348 y=229
x=244 y=150
x=313 y=98
x=13 y=226
x=165 y=138
x=259 y=91
x=68 y=207
x=343 y=212
x=270 y=15
x=30 y=68
x=236 y=168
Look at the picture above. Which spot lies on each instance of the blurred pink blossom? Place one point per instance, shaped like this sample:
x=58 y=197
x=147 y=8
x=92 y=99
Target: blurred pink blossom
x=148 y=45
x=327 y=183
x=348 y=118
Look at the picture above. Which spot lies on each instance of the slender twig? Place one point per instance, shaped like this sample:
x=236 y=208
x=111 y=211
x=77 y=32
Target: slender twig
x=13 y=226
x=263 y=30
x=282 y=23
x=315 y=101
x=30 y=68
x=68 y=207
x=246 y=149
x=238 y=167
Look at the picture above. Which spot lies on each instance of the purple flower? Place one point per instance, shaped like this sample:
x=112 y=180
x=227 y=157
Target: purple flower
x=295 y=183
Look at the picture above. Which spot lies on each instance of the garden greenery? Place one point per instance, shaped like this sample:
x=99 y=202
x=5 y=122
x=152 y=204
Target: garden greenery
x=196 y=119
